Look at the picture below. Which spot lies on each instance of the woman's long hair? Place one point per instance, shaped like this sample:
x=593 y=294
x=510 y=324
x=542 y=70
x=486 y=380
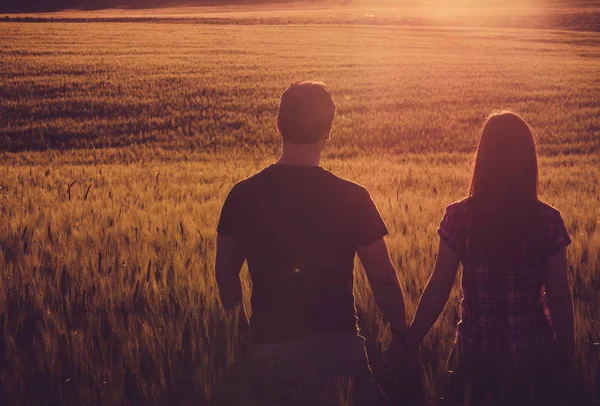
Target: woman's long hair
x=506 y=169
x=504 y=188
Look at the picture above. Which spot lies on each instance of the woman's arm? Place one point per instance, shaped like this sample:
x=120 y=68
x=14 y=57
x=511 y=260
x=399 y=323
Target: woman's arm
x=560 y=303
x=436 y=294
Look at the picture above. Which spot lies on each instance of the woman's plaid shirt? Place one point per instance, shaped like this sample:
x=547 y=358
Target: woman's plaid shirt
x=504 y=313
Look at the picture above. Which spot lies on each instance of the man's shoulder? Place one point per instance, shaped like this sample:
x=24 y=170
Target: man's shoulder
x=248 y=183
x=549 y=213
x=348 y=186
x=335 y=184
x=459 y=207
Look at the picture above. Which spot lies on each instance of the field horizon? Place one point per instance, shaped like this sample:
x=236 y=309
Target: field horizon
x=532 y=14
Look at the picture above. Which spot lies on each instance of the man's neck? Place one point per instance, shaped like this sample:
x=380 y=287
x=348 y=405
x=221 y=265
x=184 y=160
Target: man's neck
x=300 y=154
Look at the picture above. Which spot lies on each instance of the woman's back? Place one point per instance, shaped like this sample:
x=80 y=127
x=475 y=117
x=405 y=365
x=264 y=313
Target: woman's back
x=504 y=313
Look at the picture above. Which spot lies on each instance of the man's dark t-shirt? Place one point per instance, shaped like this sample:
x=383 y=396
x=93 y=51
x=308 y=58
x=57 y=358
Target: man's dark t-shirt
x=299 y=228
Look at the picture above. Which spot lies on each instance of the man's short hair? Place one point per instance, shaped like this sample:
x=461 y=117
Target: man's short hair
x=306 y=113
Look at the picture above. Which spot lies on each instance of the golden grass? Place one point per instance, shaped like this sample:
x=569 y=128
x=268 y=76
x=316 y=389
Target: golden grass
x=197 y=87
x=111 y=295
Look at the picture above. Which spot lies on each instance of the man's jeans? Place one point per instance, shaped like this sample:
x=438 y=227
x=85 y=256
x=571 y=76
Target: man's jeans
x=318 y=369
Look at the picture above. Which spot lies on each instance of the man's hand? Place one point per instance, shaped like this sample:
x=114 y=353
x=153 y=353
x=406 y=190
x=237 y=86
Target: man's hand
x=228 y=264
x=401 y=354
x=402 y=380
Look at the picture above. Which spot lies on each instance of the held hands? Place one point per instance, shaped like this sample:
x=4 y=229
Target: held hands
x=402 y=352
x=402 y=376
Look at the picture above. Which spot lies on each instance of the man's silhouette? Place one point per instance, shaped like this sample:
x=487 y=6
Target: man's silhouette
x=299 y=227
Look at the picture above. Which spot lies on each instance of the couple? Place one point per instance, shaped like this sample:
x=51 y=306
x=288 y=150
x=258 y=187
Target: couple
x=299 y=227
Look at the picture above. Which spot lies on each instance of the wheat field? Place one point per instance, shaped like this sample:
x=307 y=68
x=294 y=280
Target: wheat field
x=120 y=141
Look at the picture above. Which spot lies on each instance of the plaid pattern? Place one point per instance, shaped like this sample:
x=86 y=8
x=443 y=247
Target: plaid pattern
x=504 y=313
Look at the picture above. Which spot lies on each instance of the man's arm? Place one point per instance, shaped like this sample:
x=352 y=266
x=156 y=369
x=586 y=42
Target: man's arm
x=228 y=265
x=436 y=294
x=384 y=283
x=560 y=303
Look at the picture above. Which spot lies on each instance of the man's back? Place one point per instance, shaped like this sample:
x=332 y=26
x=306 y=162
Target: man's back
x=299 y=228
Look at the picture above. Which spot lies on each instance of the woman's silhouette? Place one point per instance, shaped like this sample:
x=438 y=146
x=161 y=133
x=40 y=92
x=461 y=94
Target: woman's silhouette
x=515 y=340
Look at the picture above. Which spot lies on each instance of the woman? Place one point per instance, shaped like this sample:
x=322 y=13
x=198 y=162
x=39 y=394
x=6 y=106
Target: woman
x=516 y=336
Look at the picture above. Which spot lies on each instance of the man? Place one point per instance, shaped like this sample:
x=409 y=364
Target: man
x=299 y=227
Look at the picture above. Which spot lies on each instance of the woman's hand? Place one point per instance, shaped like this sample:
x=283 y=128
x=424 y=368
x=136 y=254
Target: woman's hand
x=401 y=353
x=402 y=372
